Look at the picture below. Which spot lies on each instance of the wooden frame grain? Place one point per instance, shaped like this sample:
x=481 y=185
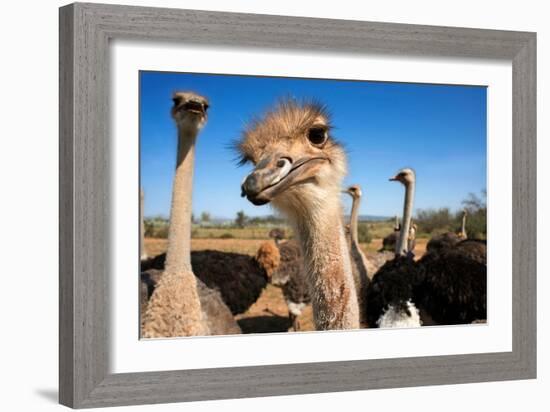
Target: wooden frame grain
x=85 y=32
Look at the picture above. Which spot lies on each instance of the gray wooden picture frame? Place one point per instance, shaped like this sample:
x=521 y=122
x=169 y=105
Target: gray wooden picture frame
x=85 y=32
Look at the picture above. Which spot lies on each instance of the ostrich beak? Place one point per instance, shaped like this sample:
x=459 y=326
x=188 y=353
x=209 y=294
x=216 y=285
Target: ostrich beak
x=393 y=179
x=275 y=174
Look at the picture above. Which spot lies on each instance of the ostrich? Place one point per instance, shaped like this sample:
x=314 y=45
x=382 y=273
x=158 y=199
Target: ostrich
x=284 y=263
x=299 y=167
x=411 y=240
x=175 y=307
x=358 y=259
x=448 y=239
x=390 y=242
x=454 y=286
x=390 y=294
x=268 y=257
x=277 y=235
x=448 y=285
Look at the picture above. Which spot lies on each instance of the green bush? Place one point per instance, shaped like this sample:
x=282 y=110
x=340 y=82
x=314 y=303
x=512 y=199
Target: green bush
x=435 y=220
x=156 y=227
x=227 y=236
x=363 y=233
x=476 y=221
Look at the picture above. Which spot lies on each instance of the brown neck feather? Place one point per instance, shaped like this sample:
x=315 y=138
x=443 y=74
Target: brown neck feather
x=328 y=268
x=178 y=255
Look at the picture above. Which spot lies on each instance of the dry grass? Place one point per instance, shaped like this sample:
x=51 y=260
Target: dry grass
x=250 y=232
x=155 y=247
x=376 y=245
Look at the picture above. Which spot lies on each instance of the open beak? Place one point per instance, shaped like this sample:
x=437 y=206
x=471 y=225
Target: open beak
x=194 y=107
x=275 y=174
x=393 y=179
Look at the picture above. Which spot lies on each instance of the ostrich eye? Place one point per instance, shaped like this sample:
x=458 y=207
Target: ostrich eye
x=317 y=136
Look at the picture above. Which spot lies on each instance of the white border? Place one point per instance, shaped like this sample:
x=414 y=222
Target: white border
x=128 y=354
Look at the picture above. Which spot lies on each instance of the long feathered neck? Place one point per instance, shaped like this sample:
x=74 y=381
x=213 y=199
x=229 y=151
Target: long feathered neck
x=403 y=248
x=357 y=253
x=354 y=219
x=359 y=258
x=463 y=229
x=178 y=255
x=327 y=264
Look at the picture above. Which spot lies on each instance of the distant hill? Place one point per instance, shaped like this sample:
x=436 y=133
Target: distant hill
x=362 y=218
x=372 y=218
x=225 y=221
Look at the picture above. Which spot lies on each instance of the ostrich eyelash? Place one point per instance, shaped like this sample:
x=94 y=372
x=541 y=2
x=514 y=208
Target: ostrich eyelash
x=241 y=161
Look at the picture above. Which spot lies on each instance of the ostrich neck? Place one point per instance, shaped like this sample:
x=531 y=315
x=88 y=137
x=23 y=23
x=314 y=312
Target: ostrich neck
x=328 y=269
x=178 y=255
x=463 y=229
x=359 y=260
x=356 y=252
x=354 y=220
x=406 y=223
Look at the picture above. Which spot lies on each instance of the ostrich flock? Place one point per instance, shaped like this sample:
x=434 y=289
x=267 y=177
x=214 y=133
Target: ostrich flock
x=299 y=169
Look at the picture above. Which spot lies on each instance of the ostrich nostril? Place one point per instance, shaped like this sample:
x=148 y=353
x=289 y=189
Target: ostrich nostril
x=283 y=161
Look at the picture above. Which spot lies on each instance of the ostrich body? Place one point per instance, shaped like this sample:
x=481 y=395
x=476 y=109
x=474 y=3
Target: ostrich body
x=358 y=259
x=175 y=307
x=239 y=278
x=454 y=286
x=287 y=273
x=448 y=239
x=269 y=258
x=219 y=318
x=299 y=168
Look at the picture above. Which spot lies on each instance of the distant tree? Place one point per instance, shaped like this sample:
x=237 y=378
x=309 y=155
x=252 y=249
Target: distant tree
x=205 y=217
x=241 y=219
x=476 y=221
x=430 y=220
x=473 y=202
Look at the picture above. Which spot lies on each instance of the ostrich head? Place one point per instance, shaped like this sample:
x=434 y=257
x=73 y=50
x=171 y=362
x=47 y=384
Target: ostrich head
x=277 y=234
x=189 y=111
x=405 y=176
x=354 y=191
x=299 y=167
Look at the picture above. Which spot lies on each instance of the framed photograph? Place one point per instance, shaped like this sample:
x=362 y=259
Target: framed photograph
x=257 y=205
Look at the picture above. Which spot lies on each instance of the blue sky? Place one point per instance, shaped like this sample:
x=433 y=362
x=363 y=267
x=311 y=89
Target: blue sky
x=438 y=130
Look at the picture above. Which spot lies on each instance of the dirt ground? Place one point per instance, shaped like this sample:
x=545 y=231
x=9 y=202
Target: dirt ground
x=269 y=313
